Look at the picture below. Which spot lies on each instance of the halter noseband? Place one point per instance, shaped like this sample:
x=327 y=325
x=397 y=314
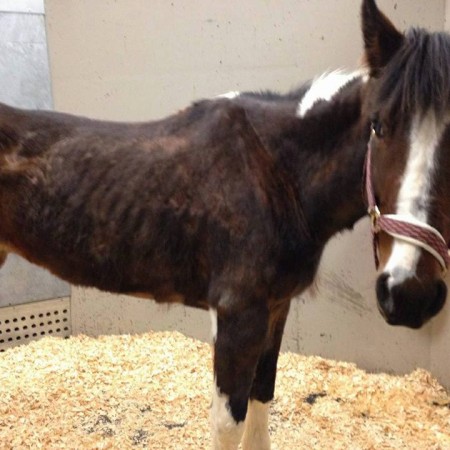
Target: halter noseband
x=403 y=227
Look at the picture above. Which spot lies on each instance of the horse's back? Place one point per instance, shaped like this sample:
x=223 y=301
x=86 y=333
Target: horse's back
x=150 y=207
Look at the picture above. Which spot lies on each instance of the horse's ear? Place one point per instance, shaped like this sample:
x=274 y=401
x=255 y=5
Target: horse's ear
x=381 y=38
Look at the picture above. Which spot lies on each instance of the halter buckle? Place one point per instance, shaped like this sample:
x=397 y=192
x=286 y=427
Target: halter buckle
x=374 y=214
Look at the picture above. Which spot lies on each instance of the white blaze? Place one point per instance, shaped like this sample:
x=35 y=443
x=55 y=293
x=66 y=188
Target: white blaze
x=414 y=192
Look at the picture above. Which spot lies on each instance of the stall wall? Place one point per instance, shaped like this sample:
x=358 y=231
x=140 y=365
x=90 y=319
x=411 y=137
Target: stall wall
x=440 y=360
x=447 y=15
x=134 y=60
x=25 y=82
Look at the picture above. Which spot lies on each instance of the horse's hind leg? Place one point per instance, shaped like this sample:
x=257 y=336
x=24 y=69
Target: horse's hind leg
x=256 y=435
x=239 y=341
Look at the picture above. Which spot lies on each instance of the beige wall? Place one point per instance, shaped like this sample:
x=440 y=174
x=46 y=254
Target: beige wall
x=439 y=354
x=447 y=15
x=141 y=59
x=137 y=59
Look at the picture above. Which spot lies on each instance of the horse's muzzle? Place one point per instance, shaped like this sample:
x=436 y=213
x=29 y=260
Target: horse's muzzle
x=410 y=303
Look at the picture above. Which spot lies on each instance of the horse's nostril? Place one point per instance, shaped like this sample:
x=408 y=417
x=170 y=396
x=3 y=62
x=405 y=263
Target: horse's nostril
x=382 y=288
x=386 y=304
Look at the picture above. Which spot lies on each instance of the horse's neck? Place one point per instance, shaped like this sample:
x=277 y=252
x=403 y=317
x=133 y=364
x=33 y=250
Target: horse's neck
x=324 y=153
x=333 y=190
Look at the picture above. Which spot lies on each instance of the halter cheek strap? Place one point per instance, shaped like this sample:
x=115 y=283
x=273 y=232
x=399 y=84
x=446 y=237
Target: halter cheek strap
x=403 y=227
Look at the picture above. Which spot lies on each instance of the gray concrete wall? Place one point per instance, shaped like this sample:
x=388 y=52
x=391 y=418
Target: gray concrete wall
x=25 y=82
x=134 y=59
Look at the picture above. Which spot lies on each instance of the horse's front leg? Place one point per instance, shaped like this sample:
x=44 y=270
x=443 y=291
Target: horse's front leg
x=238 y=344
x=256 y=434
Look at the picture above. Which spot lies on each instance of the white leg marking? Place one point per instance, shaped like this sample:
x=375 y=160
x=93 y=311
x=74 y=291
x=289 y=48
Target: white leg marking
x=230 y=95
x=256 y=434
x=213 y=315
x=414 y=193
x=226 y=433
x=325 y=88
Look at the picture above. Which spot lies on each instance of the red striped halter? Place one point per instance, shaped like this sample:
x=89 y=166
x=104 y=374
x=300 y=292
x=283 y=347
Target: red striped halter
x=402 y=227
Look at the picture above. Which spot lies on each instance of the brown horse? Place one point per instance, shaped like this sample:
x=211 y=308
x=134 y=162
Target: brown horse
x=227 y=205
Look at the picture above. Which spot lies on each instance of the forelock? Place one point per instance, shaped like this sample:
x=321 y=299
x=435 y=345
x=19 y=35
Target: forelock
x=417 y=79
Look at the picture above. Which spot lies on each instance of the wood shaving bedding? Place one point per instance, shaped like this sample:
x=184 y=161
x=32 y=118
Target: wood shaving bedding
x=153 y=391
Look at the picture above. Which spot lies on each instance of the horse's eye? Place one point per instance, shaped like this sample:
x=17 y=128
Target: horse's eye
x=377 y=128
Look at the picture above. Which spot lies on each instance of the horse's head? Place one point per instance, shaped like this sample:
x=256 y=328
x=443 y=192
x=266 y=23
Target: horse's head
x=408 y=104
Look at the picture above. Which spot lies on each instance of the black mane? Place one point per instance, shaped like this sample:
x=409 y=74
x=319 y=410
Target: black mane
x=273 y=96
x=417 y=79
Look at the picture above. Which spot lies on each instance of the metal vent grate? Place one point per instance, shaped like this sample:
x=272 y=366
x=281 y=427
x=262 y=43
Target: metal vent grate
x=31 y=321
